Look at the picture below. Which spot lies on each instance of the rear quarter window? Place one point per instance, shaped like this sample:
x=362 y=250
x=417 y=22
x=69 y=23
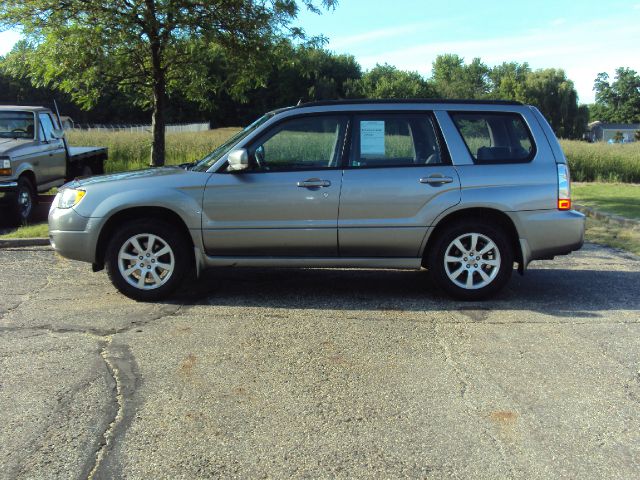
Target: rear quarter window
x=495 y=137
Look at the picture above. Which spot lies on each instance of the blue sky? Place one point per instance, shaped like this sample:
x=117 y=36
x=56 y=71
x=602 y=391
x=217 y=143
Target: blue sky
x=582 y=37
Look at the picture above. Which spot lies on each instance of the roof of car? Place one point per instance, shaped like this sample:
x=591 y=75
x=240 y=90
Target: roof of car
x=366 y=101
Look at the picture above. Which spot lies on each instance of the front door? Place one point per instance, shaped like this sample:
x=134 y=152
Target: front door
x=53 y=155
x=398 y=181
x=286 y=204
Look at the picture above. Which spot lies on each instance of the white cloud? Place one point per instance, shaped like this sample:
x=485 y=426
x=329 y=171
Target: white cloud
x=373 y=36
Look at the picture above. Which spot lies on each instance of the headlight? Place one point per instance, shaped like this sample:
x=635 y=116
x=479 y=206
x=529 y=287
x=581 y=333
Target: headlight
x=69 y=197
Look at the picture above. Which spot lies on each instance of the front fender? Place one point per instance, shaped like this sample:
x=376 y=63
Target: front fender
x=185 y=203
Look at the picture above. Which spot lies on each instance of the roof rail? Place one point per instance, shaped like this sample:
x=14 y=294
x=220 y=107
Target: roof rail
x=358 y=101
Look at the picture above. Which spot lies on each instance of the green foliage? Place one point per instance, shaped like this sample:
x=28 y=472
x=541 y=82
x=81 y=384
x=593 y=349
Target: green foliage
x=555 y=96
x=619 y=101
x=386 y=81
x=508 y=80
x=602 y=162
x=148 y=48
x=452 y=78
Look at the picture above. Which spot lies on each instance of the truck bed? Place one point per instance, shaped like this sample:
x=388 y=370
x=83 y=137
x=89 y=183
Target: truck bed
x=83 y=153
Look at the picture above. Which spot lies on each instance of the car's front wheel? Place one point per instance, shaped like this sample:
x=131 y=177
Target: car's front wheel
x=471 y=261
x=147 y=260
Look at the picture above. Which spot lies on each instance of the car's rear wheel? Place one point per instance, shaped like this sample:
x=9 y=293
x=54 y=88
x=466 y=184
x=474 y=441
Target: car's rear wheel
x=24 y=202
x=147 y=260
x=471 y=260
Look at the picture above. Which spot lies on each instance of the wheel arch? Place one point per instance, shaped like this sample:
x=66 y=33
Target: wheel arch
x=31 y=176
x=136 y=213
x=489 y=215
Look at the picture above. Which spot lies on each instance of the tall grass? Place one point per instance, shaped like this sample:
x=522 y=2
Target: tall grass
x=131 y=151
x=603 y=162
x=589 y=162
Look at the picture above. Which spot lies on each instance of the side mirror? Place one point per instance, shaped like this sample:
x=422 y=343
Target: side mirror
x=238 y=160
x=57 y=133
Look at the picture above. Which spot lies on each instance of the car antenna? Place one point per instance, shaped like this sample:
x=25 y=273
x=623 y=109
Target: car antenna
x=299 y=102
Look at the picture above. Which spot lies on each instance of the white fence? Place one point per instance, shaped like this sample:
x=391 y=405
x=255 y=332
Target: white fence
x=173 y=128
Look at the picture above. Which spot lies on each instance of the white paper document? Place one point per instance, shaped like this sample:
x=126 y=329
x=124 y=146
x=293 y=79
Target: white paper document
x=372 y=137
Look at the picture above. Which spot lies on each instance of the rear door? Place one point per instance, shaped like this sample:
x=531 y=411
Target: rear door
x=287 y=203
x=398 y=179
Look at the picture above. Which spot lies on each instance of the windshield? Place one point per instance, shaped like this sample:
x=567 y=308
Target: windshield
x=223 y=149
x=16 y=125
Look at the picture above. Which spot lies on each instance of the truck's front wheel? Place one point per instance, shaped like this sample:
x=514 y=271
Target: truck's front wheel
x=24 y=201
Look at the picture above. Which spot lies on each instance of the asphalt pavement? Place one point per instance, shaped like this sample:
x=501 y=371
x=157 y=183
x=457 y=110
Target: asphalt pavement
x=257 y=373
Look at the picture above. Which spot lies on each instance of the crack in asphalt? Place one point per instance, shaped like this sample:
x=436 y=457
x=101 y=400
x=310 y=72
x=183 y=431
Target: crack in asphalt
x=107 y=435
x=124 y=378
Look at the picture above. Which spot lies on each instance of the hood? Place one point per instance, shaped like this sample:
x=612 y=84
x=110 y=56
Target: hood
x=135 y=176
x=9 y=145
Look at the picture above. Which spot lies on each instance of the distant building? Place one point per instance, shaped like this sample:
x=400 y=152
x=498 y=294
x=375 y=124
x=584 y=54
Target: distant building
x=607 y=132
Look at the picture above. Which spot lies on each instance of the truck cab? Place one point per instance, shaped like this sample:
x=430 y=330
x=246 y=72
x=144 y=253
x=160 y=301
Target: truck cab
x=34 y=157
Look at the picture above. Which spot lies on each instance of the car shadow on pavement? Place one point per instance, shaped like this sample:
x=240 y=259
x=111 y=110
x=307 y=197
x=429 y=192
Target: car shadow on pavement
x=562 y=293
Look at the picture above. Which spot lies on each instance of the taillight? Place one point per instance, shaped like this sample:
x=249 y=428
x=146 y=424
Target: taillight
x=564 y=187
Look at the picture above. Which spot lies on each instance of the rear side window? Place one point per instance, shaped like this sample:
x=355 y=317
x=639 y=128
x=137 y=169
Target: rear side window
x=388 y=140
x=495 y=137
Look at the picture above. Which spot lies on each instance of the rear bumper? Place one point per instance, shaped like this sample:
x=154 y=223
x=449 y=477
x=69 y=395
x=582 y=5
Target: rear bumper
x=547 y=233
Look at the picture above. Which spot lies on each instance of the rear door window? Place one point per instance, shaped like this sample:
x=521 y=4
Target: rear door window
x=495 y=137
x=388 y=140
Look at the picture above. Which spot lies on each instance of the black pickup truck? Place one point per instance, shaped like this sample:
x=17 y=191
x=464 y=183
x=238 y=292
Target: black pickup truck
x=35 y=157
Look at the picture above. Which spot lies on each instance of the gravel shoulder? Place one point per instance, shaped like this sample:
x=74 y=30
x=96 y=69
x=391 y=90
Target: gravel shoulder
x=320 y=373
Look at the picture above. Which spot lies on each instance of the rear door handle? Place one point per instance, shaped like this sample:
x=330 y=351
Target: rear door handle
x=314 y=183
x=436 y=180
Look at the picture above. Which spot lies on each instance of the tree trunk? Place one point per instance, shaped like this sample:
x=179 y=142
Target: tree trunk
x=158 y=119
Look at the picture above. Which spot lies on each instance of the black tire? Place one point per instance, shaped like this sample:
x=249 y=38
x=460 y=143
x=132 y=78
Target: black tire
x=24 y=202
x=442 y=272
x=168 y=235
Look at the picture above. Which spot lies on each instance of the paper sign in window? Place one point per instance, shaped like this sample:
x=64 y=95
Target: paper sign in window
x=372 y=137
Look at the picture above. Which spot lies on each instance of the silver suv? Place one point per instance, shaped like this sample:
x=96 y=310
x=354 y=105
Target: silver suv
x=461 y=188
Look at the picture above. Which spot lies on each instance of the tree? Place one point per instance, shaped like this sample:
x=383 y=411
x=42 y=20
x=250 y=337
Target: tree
x=386 y=81
x=453 y=79
x=619 y=101
x=148 y=48
x=555 y=96
x=508 y=80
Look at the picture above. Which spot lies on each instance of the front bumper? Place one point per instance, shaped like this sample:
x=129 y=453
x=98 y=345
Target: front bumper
x=8 y=191
x=71 y=235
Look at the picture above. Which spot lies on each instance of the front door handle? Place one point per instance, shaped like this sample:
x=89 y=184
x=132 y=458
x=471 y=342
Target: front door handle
x=314 y=183
x=436 y=180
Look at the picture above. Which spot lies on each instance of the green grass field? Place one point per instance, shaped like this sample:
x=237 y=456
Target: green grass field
x=616 y=198
x=602 y=162
x=131 y=151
